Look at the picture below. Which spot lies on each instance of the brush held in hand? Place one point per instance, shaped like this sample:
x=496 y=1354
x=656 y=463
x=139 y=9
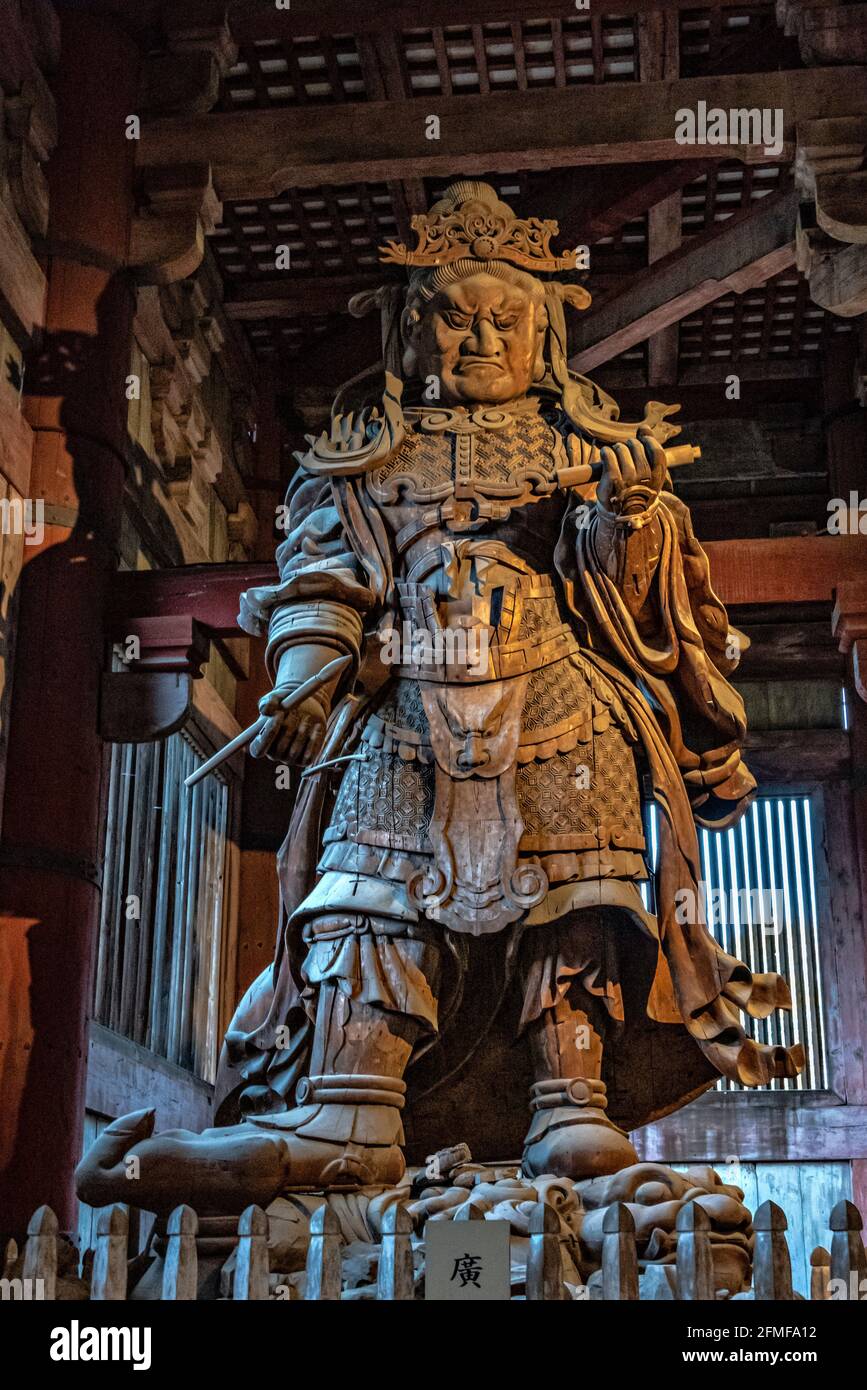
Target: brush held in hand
x=293 y=697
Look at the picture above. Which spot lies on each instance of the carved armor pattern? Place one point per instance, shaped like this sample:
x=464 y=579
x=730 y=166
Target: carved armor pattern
x=535 y=617
x=424 y=463
x=554 y=802
x=385 y=800
x=404 y=708
x=500 y=454
x=517 y=461
x=555 y=693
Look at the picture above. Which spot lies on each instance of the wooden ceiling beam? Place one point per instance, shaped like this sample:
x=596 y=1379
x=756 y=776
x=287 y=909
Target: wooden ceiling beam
x=789 y=569
x=288 y=298
x=261 y=153
x=250 y=21
x=753 y=370
x=747 y=250
x=592 y=203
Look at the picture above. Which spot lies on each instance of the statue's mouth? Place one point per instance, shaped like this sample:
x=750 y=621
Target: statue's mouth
x=475 y=363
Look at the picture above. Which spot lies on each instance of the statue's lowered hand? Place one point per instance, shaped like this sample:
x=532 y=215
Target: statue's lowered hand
x=290 y=735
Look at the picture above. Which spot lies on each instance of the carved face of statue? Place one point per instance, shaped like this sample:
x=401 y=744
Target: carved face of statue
x=481 y=336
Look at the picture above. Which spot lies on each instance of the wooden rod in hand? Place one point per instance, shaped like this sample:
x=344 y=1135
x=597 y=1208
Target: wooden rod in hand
x=294 y=697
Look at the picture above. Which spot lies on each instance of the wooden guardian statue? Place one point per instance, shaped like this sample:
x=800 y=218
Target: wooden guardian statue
x=461 y=880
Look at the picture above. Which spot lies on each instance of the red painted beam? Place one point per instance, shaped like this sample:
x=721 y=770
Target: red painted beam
x=208 y=593
x=788 y=569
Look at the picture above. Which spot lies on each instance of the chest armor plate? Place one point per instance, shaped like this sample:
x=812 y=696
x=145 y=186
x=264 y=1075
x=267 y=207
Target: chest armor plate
x=461 y=469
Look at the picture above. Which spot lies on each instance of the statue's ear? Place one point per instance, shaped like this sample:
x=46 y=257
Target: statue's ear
x=540 y=366
x=410 y=323
x=410 y=320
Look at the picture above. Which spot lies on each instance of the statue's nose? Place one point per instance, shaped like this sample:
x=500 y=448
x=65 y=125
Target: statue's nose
x=486 y=338
x=474 y=753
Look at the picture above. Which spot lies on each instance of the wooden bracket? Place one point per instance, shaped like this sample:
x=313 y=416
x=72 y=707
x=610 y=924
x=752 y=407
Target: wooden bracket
x=827 y=32
x=31 y=135
x=170 y=642
x=185 y=80
x=831 y=176
x=153 y=696
x=179 y=208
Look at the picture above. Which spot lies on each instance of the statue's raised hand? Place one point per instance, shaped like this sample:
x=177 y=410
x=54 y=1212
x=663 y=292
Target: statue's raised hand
x=633 y=475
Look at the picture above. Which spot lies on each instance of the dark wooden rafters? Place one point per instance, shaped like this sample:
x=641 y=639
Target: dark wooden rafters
x=506 y=82
x=258 y=153
x=747 y=250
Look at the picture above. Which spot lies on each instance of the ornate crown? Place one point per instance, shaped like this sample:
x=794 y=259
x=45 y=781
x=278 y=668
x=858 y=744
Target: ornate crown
x=470 y=220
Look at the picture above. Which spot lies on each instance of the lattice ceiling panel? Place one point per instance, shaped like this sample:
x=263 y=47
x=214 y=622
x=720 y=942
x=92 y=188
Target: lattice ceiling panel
x=724 y=190
x=442 y=61
x=733 y=40
x=516 y=55
x=294 y=72
x=520 y=55
x=329 y=231
x=289 y=338
x=776 y=322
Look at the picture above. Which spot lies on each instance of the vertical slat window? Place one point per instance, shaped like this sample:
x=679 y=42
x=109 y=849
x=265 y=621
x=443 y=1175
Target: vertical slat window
x=760 y=900
x=158 y=958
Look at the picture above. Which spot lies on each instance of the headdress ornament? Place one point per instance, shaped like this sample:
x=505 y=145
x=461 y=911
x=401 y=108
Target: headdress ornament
x=470 y=220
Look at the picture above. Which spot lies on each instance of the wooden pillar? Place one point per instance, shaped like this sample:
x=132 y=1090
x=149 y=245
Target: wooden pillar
x=846 y=435
x=845 y=418
x=659 y=58
x=266 y=807
x=270 y=485
x=51 y=843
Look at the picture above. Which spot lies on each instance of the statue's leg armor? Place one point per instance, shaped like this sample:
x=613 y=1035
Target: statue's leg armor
x=345 y=1129
x=570 y=1134
x=374 y=994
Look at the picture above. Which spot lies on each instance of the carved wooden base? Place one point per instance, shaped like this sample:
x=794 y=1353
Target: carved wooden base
x=360 y=1224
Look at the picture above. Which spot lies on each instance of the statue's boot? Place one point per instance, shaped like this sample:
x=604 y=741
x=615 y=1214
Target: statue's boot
x=345 y=1129
x=570 y=1134
x=345 y=1132
x=218 y=1172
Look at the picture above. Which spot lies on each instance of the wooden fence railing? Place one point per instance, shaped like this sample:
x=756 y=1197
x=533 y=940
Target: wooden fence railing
x=839 y=1273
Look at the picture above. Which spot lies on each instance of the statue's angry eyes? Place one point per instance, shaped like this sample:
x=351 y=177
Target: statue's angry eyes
x=461 y=321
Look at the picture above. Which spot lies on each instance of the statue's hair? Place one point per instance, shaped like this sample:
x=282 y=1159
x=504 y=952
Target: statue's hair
x=425 y=283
